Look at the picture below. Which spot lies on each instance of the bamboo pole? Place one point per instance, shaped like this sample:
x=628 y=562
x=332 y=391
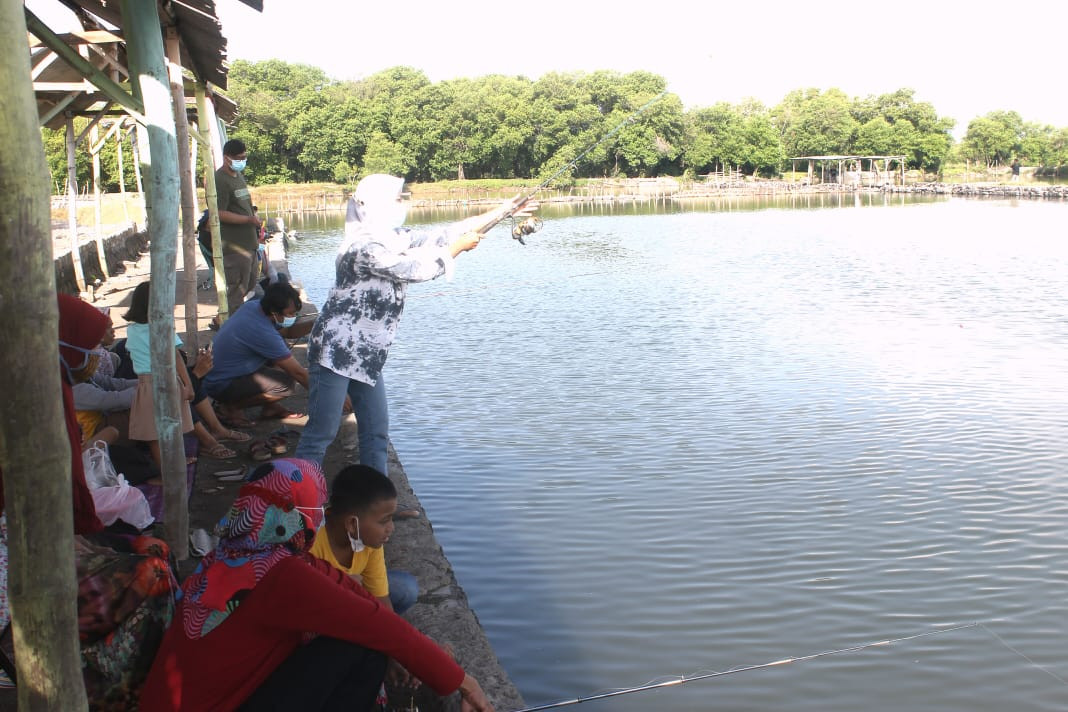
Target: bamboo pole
x=148 y=74
x=206 y=112
x=122 y=174
x=135 y=150
x=101 y=255
x=72 y=205
x=185 y=173
x=34 y=449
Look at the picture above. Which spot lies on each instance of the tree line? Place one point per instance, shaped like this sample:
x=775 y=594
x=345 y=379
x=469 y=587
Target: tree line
x=301 y=126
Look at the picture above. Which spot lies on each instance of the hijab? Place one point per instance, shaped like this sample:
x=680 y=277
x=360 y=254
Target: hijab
x=374 y=205
x=274 y=517
x=81 y=326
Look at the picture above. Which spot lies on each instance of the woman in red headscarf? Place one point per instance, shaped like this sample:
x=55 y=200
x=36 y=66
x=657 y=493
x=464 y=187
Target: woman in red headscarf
x=263 y=625
x=81 y=327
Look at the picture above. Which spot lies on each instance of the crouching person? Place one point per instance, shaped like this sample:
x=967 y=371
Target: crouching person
x=240 y=638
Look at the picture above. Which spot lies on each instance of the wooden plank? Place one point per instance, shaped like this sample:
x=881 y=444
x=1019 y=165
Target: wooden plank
x=84 y=37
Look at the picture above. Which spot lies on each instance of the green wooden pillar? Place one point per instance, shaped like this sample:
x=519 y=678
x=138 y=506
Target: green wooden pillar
x=34 y=451
x=148 y=75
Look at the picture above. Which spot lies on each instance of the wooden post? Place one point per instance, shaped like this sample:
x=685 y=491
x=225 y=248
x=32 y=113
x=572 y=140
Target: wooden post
x=101 y=254
x=122 y=174
x=72 y=205
x=189 y=220
x=136 y=154
x=193 y=149
x=148 y=75
x=34 y=449
x=206 y=112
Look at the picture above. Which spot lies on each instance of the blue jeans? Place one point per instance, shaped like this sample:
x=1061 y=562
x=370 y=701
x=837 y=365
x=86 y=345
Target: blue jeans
x=403 y=590
x=326 y=397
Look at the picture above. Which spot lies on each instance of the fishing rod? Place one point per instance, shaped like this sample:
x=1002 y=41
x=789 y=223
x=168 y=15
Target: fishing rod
x=533 y=224
x=746 y=668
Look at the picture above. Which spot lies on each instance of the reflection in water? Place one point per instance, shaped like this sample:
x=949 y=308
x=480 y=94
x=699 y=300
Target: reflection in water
x=746 y=434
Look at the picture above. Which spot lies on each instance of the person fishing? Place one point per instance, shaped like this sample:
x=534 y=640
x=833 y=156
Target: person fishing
x=350 y=341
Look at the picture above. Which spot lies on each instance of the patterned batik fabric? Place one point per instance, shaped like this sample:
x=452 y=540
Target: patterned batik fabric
x=374 y=267
x=125 y=603
x=274 y=517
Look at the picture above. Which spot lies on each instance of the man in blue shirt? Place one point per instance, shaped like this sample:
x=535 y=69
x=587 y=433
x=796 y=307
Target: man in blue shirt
x=253 y=363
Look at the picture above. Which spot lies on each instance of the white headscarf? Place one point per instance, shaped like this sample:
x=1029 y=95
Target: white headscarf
x=374 y=205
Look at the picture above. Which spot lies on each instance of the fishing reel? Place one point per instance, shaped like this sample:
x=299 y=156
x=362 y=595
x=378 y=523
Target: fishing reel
x=528 y=227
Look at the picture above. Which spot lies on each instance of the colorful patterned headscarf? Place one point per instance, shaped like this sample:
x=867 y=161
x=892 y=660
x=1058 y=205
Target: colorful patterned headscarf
x=275 y=516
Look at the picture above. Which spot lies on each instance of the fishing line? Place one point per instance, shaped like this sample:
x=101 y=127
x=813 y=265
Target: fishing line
x=745 y=668
x=1001 y=640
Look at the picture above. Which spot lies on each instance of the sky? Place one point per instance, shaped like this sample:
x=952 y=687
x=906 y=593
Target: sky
x=966 y=58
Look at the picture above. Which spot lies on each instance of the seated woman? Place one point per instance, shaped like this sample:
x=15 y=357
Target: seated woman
x=240 y=639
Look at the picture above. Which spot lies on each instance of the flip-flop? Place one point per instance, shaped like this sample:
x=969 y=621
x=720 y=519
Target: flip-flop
x=235 y=436
x=219 y=452
x=237 y=473
x=259 y=451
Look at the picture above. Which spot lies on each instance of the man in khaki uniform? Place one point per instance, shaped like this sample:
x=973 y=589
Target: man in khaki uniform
x=239 y=224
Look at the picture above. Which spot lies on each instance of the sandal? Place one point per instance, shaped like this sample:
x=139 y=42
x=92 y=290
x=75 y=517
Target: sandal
x=278 y=444
x=235 y=436
x=259 y=451
x=219 y=452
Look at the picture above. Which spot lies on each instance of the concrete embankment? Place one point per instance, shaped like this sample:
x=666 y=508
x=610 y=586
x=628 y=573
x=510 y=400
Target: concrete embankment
x=123 y=246
x=442 y=611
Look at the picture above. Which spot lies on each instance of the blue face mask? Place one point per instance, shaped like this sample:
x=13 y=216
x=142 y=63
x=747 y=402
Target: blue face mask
x=238 y=165
x=287 y=321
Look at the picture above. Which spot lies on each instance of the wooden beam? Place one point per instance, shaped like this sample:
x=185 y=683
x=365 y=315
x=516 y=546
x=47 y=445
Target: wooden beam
x=57 y=109
x=110 y=61
x=41 y=582
x=90 y=37
x=102 y=81
x=44 y=63
x=92 y=125
x=144 y=50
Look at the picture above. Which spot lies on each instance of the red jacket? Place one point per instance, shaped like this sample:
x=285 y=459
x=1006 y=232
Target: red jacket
x=220 y=670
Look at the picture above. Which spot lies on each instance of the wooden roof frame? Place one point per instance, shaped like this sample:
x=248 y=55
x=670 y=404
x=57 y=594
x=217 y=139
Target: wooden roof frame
x=92 y=68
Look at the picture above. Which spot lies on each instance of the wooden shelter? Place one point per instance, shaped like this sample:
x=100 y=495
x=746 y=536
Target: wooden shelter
x=849 y=170
x=125 y=64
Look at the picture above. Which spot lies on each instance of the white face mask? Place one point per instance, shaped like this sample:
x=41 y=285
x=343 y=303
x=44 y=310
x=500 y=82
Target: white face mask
x=354 y=541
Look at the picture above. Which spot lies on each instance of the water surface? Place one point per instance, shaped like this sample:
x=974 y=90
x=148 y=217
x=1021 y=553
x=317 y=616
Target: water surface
x=663 y=440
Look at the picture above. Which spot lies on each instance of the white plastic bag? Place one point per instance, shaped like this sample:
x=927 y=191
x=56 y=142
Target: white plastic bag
x=122 y=502
x=99 y=472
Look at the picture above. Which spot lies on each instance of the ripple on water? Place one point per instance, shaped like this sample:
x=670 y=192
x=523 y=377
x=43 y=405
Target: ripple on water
x=661 y=444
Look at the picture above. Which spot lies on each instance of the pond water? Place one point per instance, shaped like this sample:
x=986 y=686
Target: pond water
x=665 y=440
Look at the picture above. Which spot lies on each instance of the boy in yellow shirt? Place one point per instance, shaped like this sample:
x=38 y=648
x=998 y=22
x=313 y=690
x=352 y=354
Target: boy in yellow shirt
x=358 y=523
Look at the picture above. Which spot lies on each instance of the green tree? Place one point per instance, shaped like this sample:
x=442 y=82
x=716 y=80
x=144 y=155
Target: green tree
x=993 y=138
x=814 y=123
